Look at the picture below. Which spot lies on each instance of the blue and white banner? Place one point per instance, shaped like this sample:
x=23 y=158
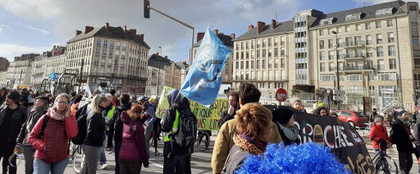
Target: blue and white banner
x=203 y=80
x=53 y=77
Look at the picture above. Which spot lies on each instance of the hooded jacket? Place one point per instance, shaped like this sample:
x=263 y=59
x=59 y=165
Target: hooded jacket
x=116 y=126
x=29 y=124
x=54 y=145
x=16 y=122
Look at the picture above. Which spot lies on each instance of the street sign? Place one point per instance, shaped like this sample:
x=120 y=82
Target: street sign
x=339 y=98
x=339 y=92
x=281 y=95
x=416 y=108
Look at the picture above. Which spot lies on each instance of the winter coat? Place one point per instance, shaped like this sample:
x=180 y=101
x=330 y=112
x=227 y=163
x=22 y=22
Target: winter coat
x=377 y=133
x=224 y=117
x=95 y=130
x=150 y=110
x=16 y=122
x=116 y=126
x=54 y=145
x=29 y=124
x=401 y=137
x=133 y=146
x=224 y=143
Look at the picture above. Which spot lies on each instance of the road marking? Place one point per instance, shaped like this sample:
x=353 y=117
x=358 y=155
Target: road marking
x=156 y=164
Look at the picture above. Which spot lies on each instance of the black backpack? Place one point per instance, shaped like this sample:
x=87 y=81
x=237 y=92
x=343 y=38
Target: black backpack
x=187 y=130
x=82 y=130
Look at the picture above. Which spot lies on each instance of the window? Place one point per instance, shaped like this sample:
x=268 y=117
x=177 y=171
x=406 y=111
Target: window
x=390 y=37
x=263 y=43
x=369 y=53
x=369 y=64
x=355 y=77
x=258 y=64
x=282 y=41
x=269 y=42
x=269 y=65
x=263 y=64
x=282 y=52
x=415 y=40
x=330 y=43
x=321 y=44
x=264 y=53
x=358 y=40
x=105 y=43
x=98 y=42
x=392 y=64
x=367 y=26
x=276 y=63
x=326 y=77
x=349 y=41
x=378 y=38
x=321 y=55
x=389 y=76
x=381 y=64
x=347 y=28
x=379 y=52
x=391 y=50
x=354 y=90
x=378 y=24
x=258 y=53
x=322 y=67
x=276 y=41
x=389 y=23
x=358 y=27
x=276 y=52
x=321 y=32
x=237 y=65
x=368 y=39
x=282 y=63
x=269 y=53
x=258 y=43
x=330 y=55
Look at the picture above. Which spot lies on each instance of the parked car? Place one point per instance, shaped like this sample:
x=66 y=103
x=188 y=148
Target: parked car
x=353 y=118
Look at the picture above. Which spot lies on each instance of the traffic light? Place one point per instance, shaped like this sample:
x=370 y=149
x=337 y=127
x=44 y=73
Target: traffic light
x=146 y=9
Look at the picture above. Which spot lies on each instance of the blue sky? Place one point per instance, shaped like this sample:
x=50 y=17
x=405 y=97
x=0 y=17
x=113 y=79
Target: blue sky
x=34 y=26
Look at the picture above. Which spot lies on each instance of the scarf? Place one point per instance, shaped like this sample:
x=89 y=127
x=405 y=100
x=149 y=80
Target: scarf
x=246 y=143
x=290 y=132
x=55 y=115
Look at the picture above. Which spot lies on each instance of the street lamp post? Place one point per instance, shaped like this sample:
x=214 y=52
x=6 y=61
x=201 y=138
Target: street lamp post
x=338 y=76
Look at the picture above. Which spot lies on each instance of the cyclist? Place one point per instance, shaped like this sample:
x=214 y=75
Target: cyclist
x=379 y=134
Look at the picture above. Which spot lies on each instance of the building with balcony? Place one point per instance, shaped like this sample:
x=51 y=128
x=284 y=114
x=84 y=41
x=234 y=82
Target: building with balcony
x=44 y=65
x=116 y=56
x=227 y=41
x=157 y=74
x=19 y=73
x=376 y=48
x=3 y=79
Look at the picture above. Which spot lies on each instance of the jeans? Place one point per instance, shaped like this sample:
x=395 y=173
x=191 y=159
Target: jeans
x=41 y=167
x=117 y=157
x=29 y=152
x=102 y=159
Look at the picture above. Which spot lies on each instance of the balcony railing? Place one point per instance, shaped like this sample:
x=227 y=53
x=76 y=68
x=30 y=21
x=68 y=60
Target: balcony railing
x=347 y=68
x=352 y=56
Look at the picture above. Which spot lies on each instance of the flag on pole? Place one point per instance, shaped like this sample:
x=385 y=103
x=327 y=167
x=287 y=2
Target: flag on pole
x=203 y=80
x=53 y=77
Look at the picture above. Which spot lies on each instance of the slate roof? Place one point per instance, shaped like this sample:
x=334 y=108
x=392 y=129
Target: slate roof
x=369 y=12
x=158 y=61
x=226 y=39
x=112 y=32
x=279 y=28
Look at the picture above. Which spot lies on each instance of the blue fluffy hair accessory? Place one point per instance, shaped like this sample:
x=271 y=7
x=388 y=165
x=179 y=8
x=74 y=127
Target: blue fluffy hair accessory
x=304 y=158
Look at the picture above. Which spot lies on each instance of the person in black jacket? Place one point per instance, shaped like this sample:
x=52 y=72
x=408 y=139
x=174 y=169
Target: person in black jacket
x=115 y=129
x=285 y=119
x=401 y=136
x=40 y=108
x=229 y=113
x=12 y=117
x=3 y=93
x=95 y=135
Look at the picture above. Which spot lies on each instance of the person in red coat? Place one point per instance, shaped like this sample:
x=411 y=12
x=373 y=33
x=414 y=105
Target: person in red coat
x=133 y=147
x=52 y=146
x=379 y=134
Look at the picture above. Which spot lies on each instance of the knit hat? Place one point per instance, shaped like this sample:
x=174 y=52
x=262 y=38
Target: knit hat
x=282 y=115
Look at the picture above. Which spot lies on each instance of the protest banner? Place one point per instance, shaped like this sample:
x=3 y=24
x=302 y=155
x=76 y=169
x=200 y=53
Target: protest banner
x=207 y=118
x=344 y=141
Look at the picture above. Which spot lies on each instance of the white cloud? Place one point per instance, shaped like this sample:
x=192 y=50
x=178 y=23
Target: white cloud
x=32 y=9
x=10 y=51
x=43 y=31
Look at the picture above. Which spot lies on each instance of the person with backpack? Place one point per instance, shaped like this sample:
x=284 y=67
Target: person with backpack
x=37 y=111
x=50 y=137
x=180 y=128
x=133 y=153
x=115 y=129
x=95 y=134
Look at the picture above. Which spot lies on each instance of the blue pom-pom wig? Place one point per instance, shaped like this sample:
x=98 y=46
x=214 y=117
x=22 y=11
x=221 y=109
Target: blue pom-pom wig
x=304 y=158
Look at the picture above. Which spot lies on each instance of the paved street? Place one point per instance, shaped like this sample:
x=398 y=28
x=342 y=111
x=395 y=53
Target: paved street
x=200 y=161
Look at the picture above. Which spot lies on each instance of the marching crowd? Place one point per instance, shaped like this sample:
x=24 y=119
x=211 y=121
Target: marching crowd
x=46 y=127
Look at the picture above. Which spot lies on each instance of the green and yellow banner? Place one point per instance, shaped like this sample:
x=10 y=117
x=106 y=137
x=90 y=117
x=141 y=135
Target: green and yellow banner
x=207 y=118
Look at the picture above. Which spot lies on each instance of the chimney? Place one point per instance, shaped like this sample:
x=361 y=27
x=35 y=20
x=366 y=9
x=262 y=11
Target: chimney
x=141 y=36
x=78 y=32
x=133 y=32
x=200 y=36
x=88 y=29
x=106 y=25
x=273 y=23
x=216 y=32
x=232 y=35
x=166 y=57
x=250 y=27
x=260 y=26
x=157 y=53
x=125 y=28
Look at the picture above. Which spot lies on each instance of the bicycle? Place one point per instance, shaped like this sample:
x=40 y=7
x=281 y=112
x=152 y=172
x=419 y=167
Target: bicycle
x=77 y=156
x=203 y=144
x=384 y=163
